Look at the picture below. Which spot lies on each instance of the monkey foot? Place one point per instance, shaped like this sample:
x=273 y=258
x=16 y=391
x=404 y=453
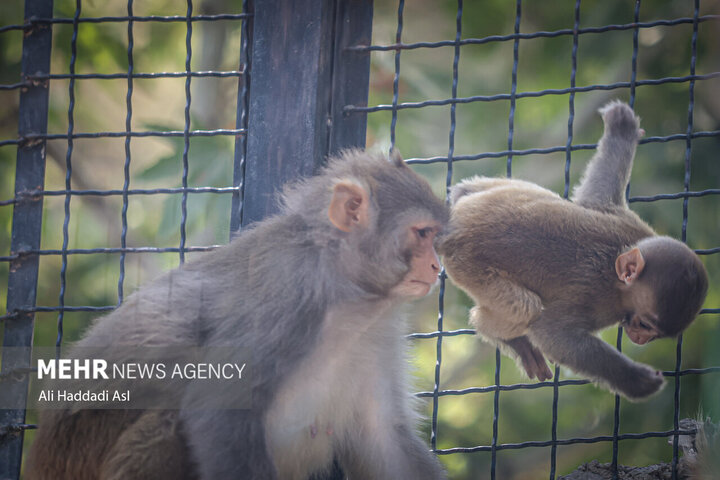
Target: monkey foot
x=531 y=358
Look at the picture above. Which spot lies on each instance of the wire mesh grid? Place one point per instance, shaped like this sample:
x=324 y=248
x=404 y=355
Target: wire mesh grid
x=459 y=44
x=186 y=134
x=635 y=24
x=27 y=202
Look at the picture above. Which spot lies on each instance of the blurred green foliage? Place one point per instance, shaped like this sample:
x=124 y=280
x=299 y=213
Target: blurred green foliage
x=544 y=63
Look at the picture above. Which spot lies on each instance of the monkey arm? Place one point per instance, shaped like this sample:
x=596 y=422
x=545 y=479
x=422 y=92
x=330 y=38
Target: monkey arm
x=608 y=173
x=585 y=354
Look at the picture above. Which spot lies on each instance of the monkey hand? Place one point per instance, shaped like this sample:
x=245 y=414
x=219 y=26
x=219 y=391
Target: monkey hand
x=621 y=122
x=640 y=382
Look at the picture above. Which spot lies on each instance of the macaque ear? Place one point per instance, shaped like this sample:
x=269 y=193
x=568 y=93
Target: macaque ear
x=628 y=265
x=348 y=206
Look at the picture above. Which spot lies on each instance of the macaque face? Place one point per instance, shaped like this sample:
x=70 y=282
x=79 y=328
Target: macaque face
x=641 y=323
x=641 y=328
x=641 y=318
x=424 y=263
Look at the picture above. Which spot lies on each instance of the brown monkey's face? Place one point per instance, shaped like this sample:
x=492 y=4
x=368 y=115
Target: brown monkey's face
x=641 y=328
x=641 y=322
x=424 y=263
x=641 y=317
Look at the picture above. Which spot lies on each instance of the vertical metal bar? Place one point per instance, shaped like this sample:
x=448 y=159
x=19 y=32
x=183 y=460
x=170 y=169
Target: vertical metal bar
x=553 y=428
x=26 y=230
x=241 y=121
x=571 y=114
x=616 y=418
x=511 y=132
x=636 y=34
x=496 y=416
x=68 y=176
x=566 y=192
x=396 y=78
x=448 y=180
x=633 y=80
x=186 y=131
x=126 y=167
x=686 y=184
x=513 y=87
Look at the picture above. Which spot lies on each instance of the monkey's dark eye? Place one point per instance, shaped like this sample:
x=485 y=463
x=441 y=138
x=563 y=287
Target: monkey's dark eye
x=645 y=326
x=424 y=232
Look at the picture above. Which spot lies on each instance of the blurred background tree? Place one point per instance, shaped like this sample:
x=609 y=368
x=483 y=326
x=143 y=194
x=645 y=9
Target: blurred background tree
x=426 y=73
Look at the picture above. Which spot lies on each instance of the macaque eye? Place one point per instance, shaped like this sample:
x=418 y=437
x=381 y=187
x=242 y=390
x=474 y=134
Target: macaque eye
x=645 y=325
x=424 y=232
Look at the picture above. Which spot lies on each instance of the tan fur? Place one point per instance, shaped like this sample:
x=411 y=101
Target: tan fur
x=542 y=273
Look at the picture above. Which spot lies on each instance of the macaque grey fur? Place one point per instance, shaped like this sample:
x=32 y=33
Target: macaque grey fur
x=542 y=270
x=314 y=304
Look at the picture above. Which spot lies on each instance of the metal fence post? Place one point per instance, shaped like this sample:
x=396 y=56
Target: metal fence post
x=26 y=228
x=301 y=78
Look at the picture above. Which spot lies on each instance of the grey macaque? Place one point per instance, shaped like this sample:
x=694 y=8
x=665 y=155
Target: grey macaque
x=545 y=273
x=314 y=292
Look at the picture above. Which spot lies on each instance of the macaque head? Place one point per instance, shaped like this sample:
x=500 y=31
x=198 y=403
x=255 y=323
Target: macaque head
x=664 y=284
x=382 y=219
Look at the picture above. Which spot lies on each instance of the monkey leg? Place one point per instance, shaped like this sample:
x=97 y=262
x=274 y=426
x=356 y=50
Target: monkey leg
x=152 y=447
x=504 y=309
x=529 y=357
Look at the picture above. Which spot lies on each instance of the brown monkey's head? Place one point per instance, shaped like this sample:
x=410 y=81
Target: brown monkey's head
x=379 y=220
x=665 y=284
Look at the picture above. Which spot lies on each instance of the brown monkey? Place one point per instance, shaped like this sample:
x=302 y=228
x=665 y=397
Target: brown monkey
x=546 y=273
x=314 y=292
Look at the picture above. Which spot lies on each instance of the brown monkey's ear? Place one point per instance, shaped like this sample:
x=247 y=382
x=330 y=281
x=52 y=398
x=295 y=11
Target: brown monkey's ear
x=628 y=265
x=348 y=206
